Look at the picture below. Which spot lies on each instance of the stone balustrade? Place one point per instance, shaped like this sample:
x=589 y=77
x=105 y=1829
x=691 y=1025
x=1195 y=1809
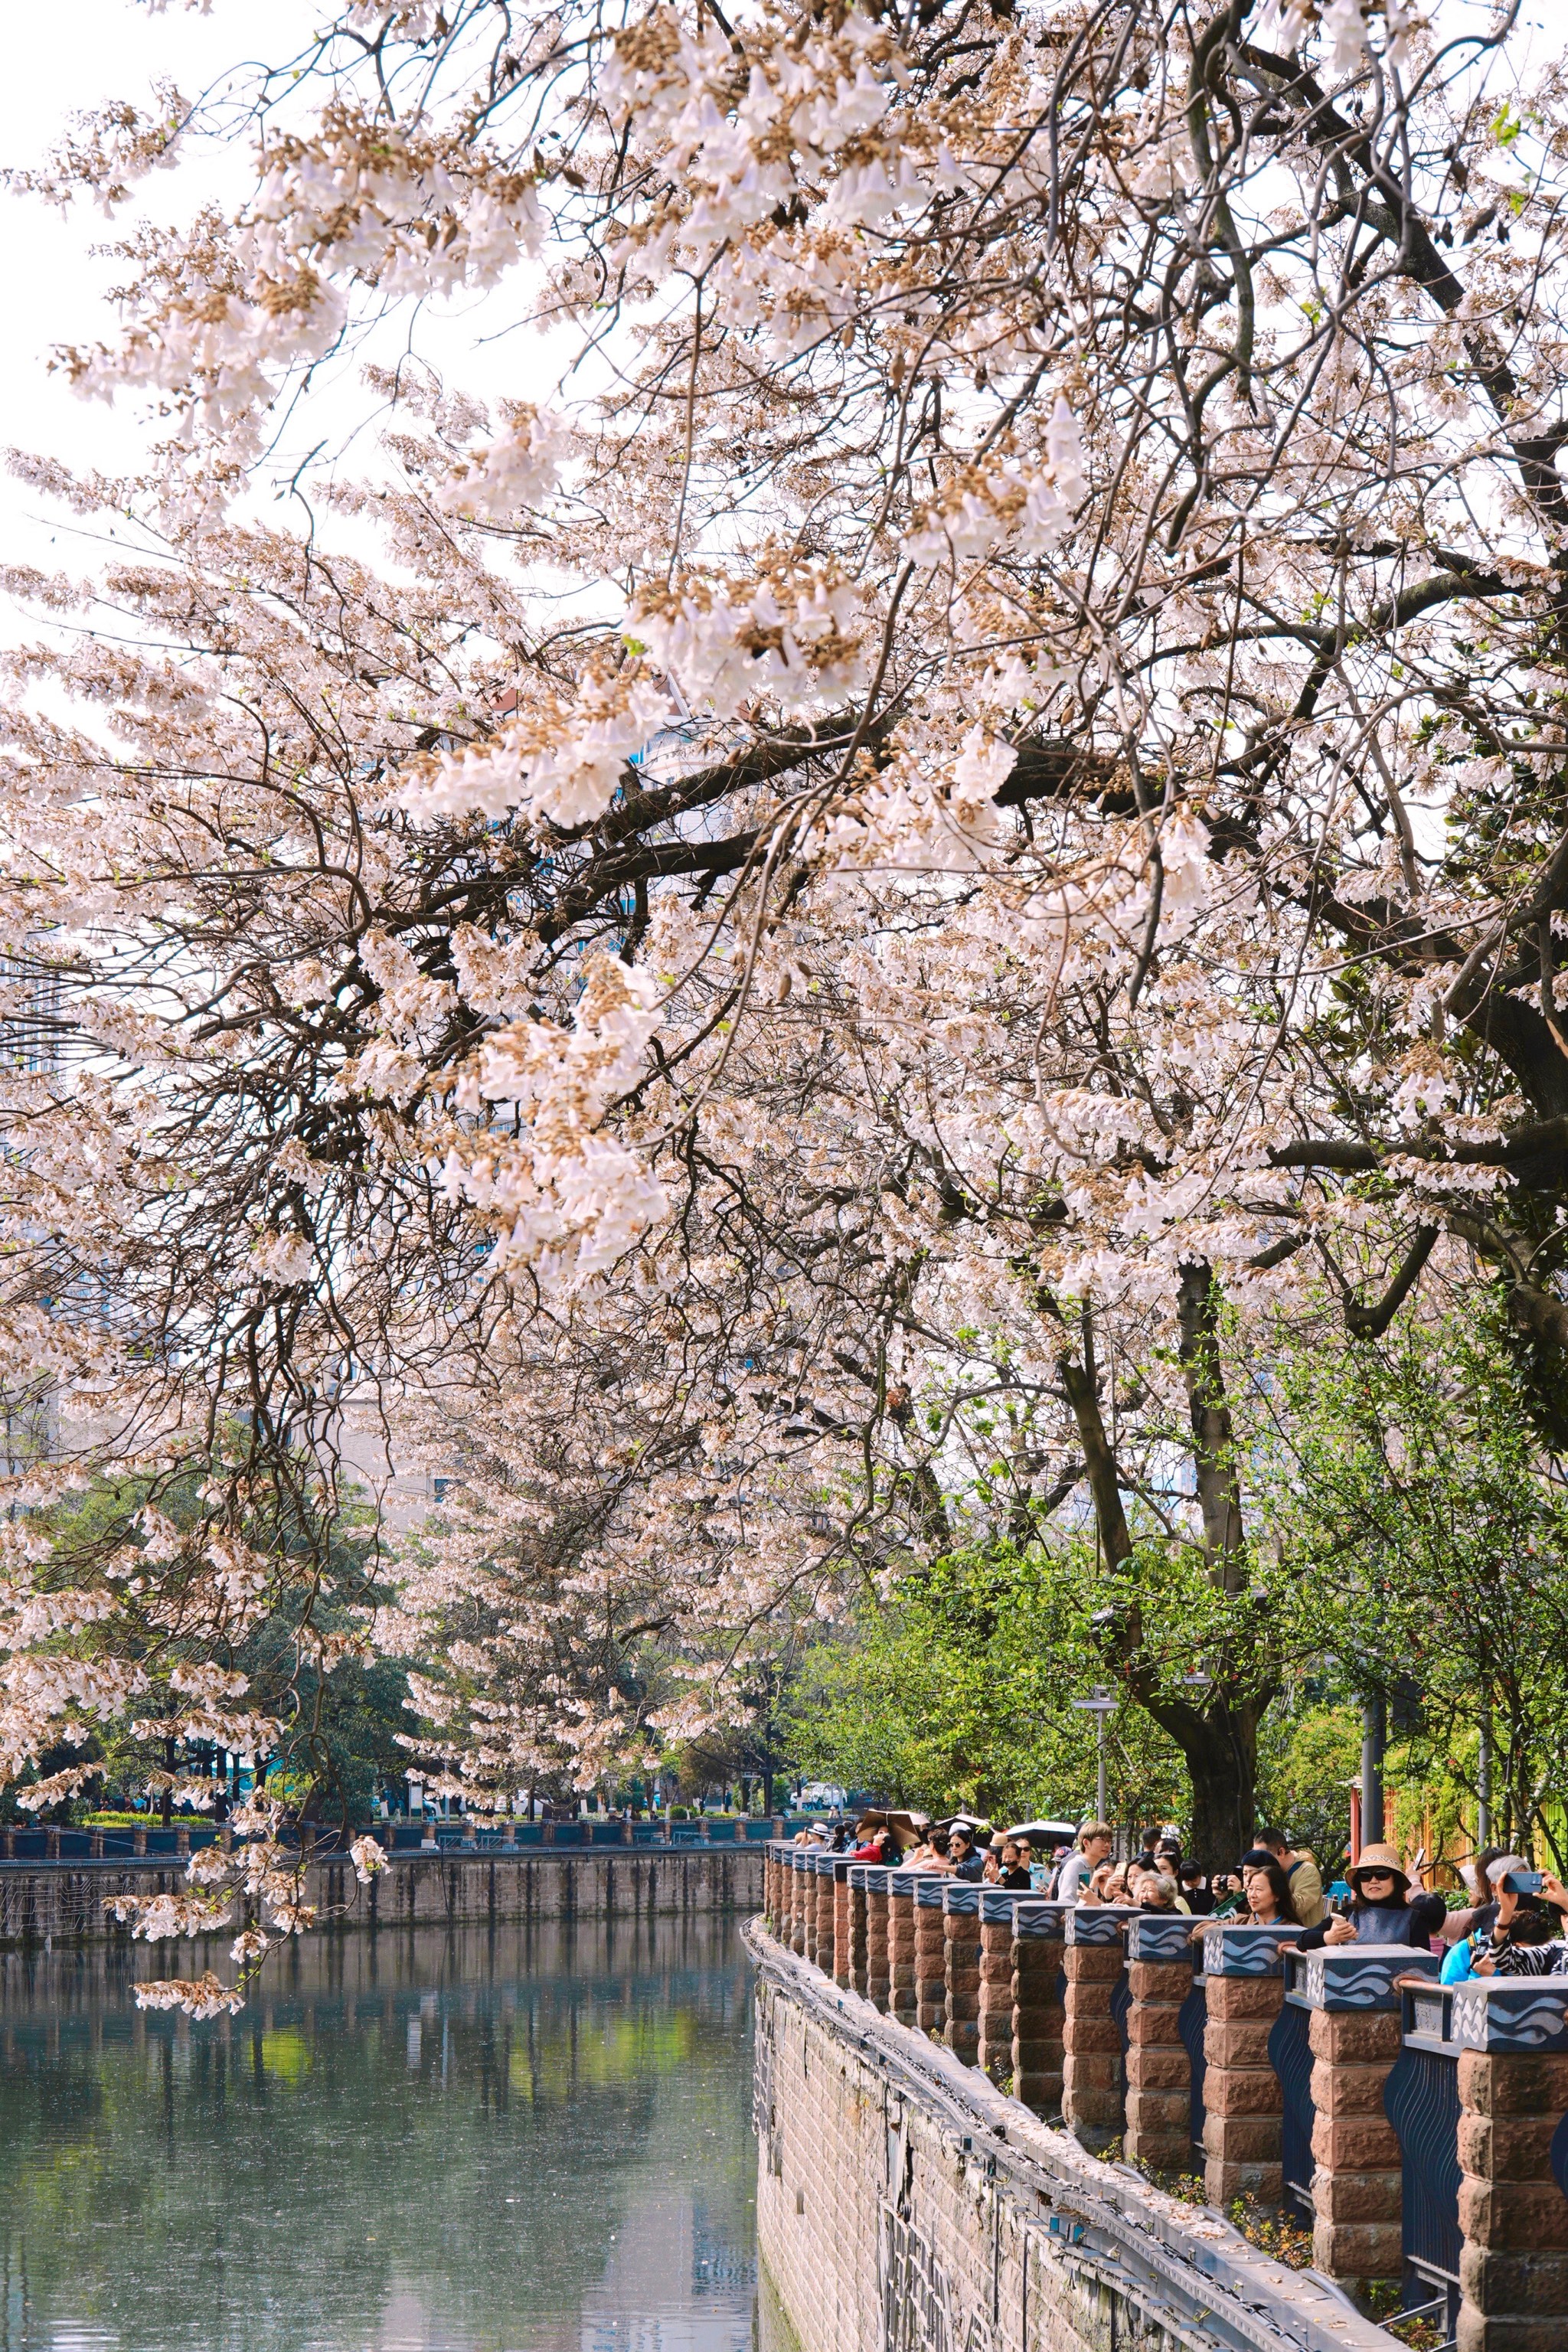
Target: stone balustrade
x=1422 y=2128
x=842 y=1866
x=823 y=1953
x=900 y=1898
x=1479 y=2099
x=1159 y=2072
x=1093 y=2076
x=1039 y=2016
x=877 y=1924
x=961 y=1967
x=856 y=1879
x=1339 y=2034
x=800 y=1879
x=993 y=2053
x=1243 y=2104
x=931 y=1956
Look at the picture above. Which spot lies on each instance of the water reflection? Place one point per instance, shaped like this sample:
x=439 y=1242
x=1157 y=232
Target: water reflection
x=501 y=2141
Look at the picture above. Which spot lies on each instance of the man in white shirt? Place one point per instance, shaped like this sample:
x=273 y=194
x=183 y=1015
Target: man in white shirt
x=1094 y=1841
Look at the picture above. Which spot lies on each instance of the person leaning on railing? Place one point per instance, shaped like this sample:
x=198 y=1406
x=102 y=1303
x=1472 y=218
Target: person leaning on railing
x=1383 y=1909
x=1302 y=1875
x=925 y=1858
x=1522 y=1941
x=1005 y=1865
x=962 y=1853
x=1265 y=1897
x=1155 y=1890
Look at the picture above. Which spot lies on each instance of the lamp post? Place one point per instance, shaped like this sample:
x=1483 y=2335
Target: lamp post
x=1101 y=1706
x=1374 y=1740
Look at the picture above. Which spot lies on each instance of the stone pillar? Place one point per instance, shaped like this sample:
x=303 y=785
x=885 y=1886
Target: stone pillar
x=1513 y=2038
x=842 y=1866
x=858 y=1928
x=1091 y=2038
x=931 y=1953
x=994 y=2053
x=960 y=1970
x=771 y=1886
x=900 y=1945
x=800 y=1882
x=1243 y=2103
x=877 y=1877
x=1159 y=2072
x=1355 y=2033
x=821 y=1950
x=1038 y=2019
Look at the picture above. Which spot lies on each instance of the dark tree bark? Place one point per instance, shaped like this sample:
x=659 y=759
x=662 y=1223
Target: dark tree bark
x=1218 y=1740
x=1214 y=1439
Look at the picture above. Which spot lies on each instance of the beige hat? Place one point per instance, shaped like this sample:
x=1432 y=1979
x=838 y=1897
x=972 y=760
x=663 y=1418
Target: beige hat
x=1379 y=1857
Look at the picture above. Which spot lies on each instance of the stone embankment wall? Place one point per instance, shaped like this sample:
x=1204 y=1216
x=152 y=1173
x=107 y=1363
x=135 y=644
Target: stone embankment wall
x=905 y=2204
x=49 y=1902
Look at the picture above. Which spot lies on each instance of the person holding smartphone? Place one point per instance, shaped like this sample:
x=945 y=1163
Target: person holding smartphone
x=1522 y=1940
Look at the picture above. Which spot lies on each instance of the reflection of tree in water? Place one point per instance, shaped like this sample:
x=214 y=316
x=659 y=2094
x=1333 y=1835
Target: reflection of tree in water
x=436 y=2139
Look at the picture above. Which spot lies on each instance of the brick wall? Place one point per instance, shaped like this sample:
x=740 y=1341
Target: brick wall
x=418 y=1890
x=905 y=2204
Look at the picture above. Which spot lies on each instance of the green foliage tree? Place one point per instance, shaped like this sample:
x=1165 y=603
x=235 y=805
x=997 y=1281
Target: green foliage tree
x=1426 y=1524
x=957 y=1690
x=336 y=1708
x=1307 y=1759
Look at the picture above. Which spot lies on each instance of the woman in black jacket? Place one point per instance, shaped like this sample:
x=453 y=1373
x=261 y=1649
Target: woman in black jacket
x=1383 y=1910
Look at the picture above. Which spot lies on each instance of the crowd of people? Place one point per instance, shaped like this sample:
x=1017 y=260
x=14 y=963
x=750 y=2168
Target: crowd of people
x=1513 y=1925
x=1066 y=1869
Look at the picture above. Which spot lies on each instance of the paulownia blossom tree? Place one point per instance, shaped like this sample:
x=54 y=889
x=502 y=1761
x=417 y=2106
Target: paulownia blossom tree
x=972 y=793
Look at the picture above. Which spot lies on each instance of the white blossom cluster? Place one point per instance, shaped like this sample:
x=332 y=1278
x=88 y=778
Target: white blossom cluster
x=816 y=936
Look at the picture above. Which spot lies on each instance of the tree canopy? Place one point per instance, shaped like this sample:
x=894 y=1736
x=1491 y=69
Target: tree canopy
x=940 y=840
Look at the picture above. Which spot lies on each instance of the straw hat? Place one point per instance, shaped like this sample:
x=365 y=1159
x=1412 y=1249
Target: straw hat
x=1379 y=1857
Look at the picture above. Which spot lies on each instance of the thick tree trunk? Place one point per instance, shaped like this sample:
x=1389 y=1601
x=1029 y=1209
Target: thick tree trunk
x=1214 y=1440
x=1222 y=1764
x=1218 y=1740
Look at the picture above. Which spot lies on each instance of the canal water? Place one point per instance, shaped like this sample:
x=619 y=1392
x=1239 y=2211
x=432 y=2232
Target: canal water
x=480 y=2140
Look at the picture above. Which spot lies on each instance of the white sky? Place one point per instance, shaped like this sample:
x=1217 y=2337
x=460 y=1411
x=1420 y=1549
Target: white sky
x=62 y=63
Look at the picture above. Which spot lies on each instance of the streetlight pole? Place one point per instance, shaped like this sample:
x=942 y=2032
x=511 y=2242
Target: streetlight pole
x=1375 y=1738
x=1100 y=1707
